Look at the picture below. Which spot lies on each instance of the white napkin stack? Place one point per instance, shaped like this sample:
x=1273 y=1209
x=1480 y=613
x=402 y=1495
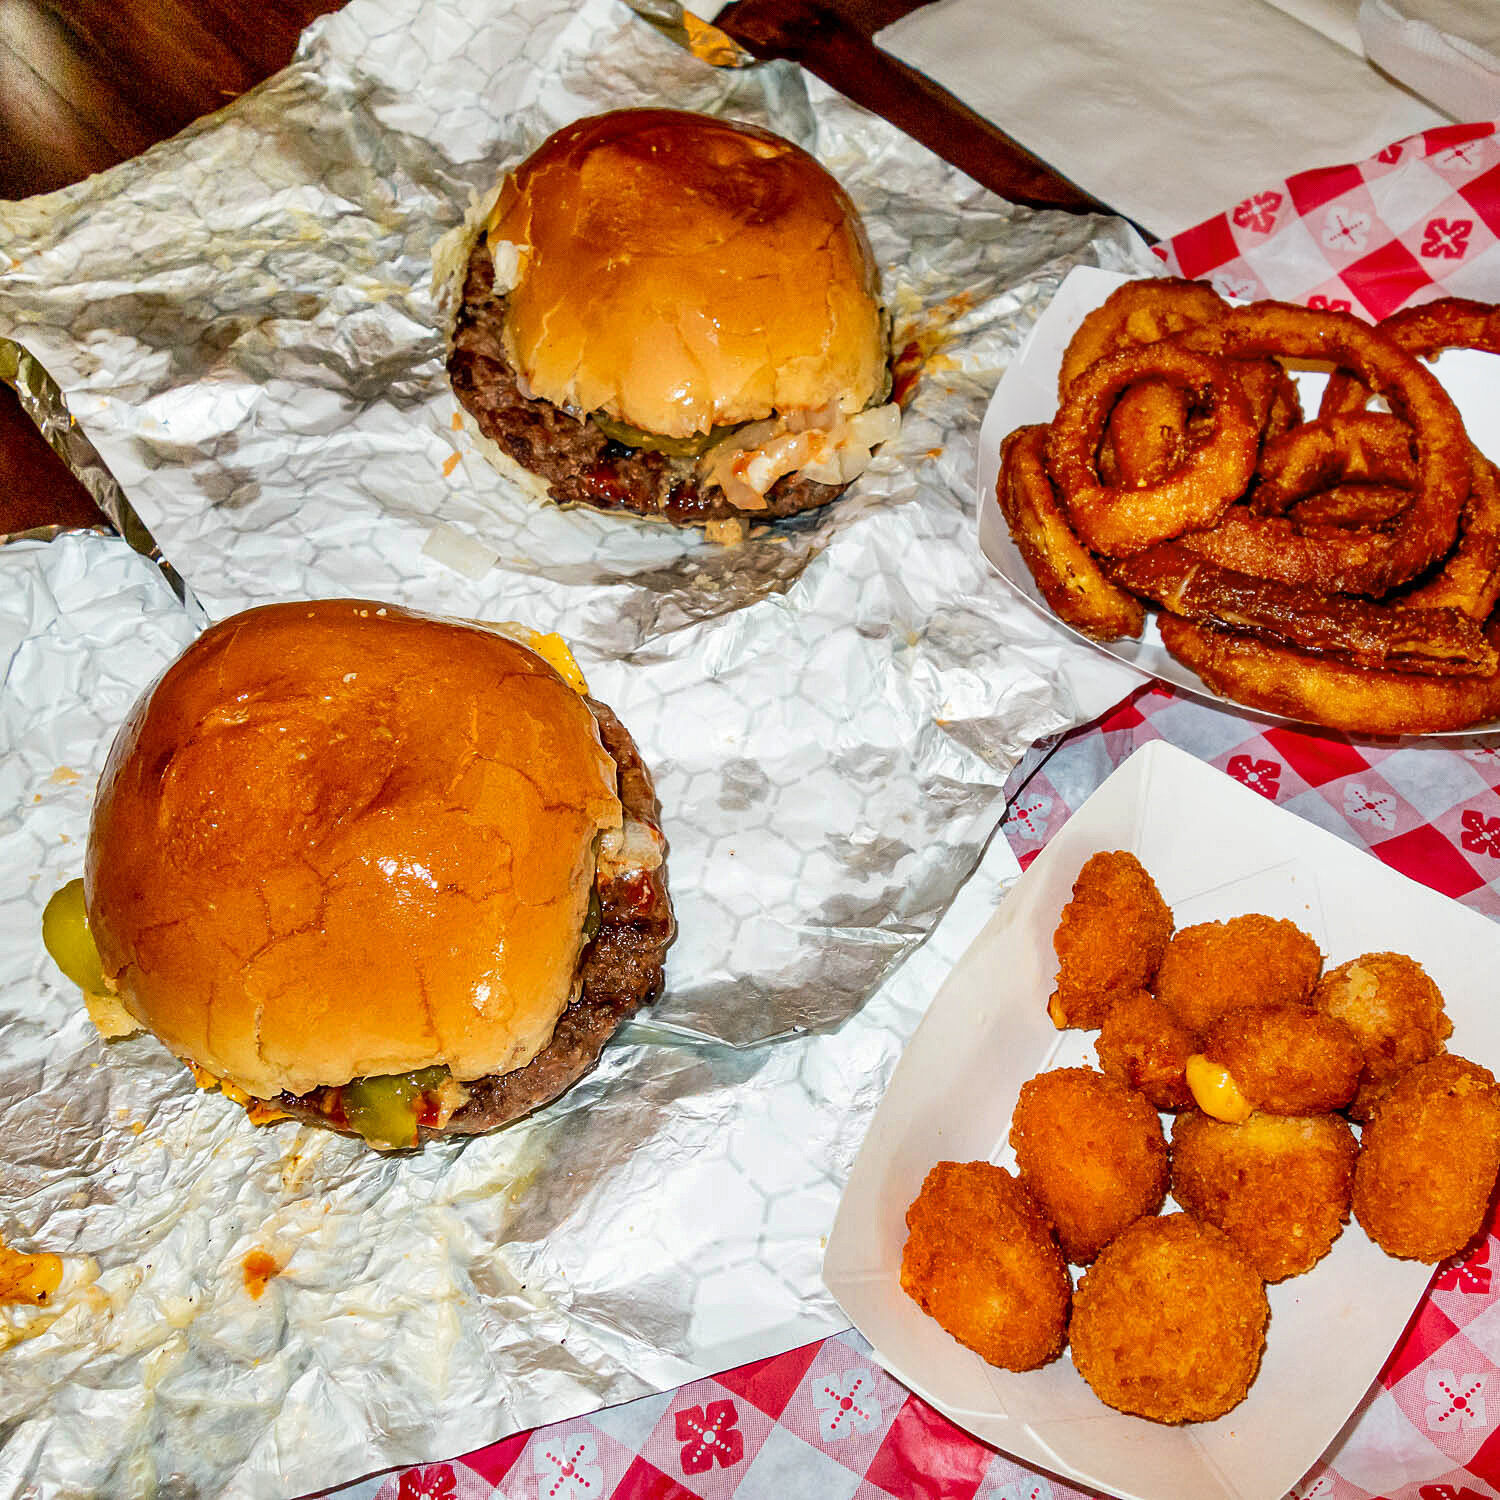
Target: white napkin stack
x=1174 y=110
x=1448 y=51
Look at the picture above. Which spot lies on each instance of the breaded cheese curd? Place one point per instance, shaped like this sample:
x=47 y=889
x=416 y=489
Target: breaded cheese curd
x=1110 y=938
x=1093 y=1153
x=1395 y=1012
x=1278 y=1185
x=1170 y=1322
x=1213 y=968
x=1284 y=1059
x=1428 y=1160
x=1145 y=1047
x=980 y=1259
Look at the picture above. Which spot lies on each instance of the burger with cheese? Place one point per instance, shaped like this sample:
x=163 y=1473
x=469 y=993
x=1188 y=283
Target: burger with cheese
x=364 y=867
x=676 y=316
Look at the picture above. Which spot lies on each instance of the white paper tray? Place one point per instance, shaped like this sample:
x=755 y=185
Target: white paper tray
x=1027 y=393
x=1216 y=850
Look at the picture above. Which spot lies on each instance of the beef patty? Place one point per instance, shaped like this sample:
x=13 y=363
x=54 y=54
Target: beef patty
x=621 y=970
x=580 y=463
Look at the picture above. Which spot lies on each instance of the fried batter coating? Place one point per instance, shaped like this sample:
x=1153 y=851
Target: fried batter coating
x=1066 y=572
x=1139 y=312
x=1170 y=1322
x=980 y=1259
x=1143 y=1046
x=1092 y=1152
x=1215 y=967
x=1429 y=1158
x=1395 y=1012
x=1286 y=1059
x=1110 y=938
x=1278 y=1185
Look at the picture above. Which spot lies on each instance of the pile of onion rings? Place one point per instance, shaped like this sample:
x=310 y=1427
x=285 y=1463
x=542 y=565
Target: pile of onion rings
x=1341 y=570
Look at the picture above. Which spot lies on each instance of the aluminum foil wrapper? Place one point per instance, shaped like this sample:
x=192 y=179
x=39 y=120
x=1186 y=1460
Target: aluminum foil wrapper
x=41 y=399
x=243 y=320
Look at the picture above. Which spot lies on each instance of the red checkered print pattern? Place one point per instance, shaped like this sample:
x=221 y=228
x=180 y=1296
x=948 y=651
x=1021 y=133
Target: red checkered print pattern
x=1419 y=220
x=823 y=1421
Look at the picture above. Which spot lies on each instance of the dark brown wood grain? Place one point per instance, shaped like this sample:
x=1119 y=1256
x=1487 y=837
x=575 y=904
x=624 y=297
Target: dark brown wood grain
x=832 y=38
x=36 y=487
x=87 y=83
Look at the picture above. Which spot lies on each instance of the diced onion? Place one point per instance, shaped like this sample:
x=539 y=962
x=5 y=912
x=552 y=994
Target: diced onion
x=876 y=425
x=510 y=261
x=110 y=1016
x=632 y=846
x=819 y=445
x=464 y=554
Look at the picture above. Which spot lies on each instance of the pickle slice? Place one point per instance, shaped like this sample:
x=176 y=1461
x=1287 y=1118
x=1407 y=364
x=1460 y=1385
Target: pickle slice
x=694 y=446
x=66 y=935
x=383 y=1109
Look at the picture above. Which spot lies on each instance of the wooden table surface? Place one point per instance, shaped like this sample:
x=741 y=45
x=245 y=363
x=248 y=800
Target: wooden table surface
x=88 y=83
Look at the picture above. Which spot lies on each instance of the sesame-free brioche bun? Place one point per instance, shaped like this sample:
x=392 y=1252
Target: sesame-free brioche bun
x=679 y=272
x=339 y=839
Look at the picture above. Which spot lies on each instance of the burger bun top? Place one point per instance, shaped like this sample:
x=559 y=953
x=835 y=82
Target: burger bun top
x=340 y=839
x=678 y=272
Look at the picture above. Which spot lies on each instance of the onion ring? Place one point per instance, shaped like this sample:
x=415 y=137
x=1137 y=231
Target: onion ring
x=1279 y=680
x=1140 y=312
x=1360 y=447
x=1353 y=506
x=1282 y=405
x=1064 y=569
x=1150 y=432
x=1434 y=642
x=1447 y=323
x=1117 y=521
x=1272 y=394
x=1333 y=559
x=1147 y=435
x=1470 y=579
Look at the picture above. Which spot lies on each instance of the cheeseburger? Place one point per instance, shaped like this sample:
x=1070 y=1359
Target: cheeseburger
x=371 y=869
x=676 y=316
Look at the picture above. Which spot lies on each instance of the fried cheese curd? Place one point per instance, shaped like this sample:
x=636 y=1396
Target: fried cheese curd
x=1277 y=1185
x=1428 y=1160
x=1284 y=1059
x=981 y=1260
x=1109 y=940
x=1213 y=968
x=1093 y=1154
x=1395 y=1012
x=1145 y=1047
x=1170 y=1322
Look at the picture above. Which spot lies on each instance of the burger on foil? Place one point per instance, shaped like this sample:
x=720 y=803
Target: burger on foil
x=674 y=316
x=388 y=873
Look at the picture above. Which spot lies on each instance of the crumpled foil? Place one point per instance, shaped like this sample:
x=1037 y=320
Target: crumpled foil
x=42 y=400
x=243 y=321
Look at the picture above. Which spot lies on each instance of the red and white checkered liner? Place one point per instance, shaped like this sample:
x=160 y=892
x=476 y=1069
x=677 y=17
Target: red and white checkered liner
x=1420 y=220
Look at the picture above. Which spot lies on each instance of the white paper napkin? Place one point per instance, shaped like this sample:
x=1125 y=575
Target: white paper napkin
x=1168 y=110
x=1448 y=51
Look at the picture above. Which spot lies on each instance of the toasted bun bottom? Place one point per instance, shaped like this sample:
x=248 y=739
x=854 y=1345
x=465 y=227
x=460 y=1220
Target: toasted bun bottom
x=339 y=839
x=679 y=272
